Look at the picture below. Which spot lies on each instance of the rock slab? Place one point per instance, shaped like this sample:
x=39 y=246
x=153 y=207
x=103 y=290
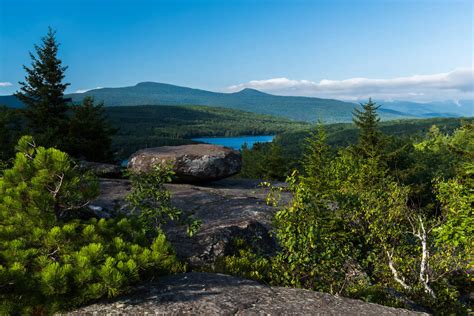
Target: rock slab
x=218 y=294
x=228 y=209
x=191 y=163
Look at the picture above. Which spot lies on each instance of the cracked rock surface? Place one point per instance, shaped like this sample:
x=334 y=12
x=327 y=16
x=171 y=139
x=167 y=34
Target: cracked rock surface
x=217 y=294
x=228 y=209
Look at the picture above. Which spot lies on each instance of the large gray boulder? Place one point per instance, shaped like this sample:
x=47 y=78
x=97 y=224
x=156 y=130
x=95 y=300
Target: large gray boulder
x=191 y=163
x=218 y=294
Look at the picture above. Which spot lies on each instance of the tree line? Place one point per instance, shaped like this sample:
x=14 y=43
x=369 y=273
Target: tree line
x=164 y=125
x=287 y=150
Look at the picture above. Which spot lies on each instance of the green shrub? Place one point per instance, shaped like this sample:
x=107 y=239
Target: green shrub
x=49 y=259
x=353 y=229
x=150 y=200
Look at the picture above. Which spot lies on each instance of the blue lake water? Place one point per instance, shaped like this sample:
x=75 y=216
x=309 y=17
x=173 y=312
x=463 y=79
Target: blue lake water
x=235 y=142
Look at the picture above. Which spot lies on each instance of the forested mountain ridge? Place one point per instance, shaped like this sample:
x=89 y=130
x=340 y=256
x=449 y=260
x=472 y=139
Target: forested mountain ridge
x=296 y=108
x=292 y=107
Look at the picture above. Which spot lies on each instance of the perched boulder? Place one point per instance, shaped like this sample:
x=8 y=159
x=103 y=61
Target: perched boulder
x=218 y=294
x=191 y=163
x=102 y=170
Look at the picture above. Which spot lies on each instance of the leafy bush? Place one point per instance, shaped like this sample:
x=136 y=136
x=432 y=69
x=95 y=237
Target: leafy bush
x=151 y=201
x=49 y=259
x=353 y=229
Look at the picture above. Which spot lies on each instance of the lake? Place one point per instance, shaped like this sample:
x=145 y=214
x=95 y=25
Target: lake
x=235 y=142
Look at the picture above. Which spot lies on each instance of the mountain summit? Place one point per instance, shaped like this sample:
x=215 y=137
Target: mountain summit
x=252 y=100
x=250 y=91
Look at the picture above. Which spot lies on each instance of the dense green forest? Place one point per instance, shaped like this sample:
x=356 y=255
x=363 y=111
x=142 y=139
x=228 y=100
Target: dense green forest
x=150 y=126
x=140 y=127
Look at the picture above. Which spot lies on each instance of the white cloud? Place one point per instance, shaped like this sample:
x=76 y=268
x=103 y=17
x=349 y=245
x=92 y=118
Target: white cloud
x=5 y=84
x=85 y=90
x=456 y=84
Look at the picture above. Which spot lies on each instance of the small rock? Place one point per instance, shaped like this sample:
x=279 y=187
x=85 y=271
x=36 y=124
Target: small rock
x=99 y=212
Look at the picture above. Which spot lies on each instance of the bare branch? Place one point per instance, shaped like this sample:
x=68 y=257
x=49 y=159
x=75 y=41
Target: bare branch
x=400 y=280
x=58 y=186
x=424 y=265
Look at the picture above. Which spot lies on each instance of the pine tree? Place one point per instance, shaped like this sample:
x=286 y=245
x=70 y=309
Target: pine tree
x=316 y=155
x=10 y=129
x=276 y=166
x=43 y=93
x=370 y=137
x=90 y=133
x=6 y=147
x=51 y=259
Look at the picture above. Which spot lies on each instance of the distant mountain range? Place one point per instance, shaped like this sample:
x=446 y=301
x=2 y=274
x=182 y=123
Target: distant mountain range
x=432 y=109
x=296 y=108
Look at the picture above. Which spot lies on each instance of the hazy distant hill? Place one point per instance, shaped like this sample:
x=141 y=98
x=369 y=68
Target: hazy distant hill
x=432 y=109
x=296 y=108
x=10 y=101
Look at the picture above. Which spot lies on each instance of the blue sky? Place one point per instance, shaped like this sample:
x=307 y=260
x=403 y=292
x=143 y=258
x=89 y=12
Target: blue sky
x=321 y=48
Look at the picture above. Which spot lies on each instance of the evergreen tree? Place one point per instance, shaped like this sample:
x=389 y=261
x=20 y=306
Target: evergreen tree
x=43 y=93
x=265 y=161
x=50 y=260
x=10 y=128
x=252 y=161
x=6 y=147
x=276 y=166
x=90 y=133
x=370 y=138
x=316 y=155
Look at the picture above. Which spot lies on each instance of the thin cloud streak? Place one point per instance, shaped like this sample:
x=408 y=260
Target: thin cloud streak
x=456 y=84
x=85 y=90
x=5 y=84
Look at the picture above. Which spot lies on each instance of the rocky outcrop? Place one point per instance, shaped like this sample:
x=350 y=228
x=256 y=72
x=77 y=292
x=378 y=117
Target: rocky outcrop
x=217 y=294
x=191 y=163
x=228 y=209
